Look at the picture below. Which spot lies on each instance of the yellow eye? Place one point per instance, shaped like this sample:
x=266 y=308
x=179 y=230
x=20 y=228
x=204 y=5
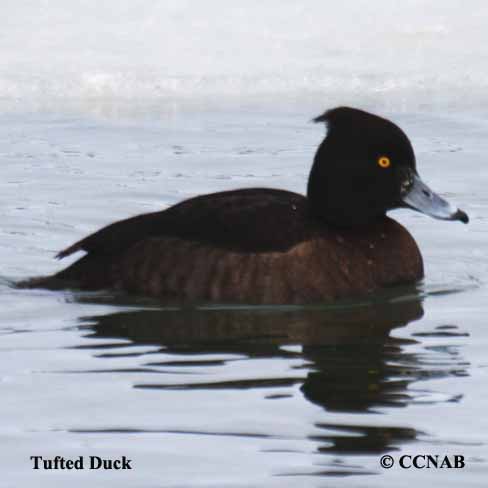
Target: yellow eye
x=384 y=162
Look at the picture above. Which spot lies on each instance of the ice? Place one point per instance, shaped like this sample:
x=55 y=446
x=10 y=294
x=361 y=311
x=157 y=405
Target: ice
x=408 y=55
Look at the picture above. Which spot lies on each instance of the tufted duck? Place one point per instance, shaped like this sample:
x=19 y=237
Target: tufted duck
x=264 y=245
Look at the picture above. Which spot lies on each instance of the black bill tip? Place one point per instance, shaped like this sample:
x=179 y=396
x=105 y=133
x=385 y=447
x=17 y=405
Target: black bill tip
x=462 y=216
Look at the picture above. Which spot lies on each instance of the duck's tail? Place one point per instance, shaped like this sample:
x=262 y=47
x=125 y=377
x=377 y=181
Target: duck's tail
x=52 y=282
x=88 y=273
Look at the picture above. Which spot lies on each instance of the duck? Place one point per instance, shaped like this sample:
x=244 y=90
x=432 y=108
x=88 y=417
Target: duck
x=273 y=246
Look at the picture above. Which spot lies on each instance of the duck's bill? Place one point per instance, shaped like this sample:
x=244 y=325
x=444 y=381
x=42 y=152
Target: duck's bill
x=421 y=198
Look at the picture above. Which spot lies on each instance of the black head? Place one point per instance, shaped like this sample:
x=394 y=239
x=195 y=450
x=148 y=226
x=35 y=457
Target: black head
x=364 y=167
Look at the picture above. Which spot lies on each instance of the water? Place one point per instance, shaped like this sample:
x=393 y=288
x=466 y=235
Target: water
x=226 y=396
x=97 y=124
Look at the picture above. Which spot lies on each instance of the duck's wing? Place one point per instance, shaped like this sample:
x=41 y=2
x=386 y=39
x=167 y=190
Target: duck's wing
x=248 y=220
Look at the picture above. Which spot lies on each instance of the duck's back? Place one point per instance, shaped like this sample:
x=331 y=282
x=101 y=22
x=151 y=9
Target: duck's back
x=248 y=246
x=247 y=220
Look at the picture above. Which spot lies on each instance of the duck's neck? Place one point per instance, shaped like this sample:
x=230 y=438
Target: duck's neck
x=320 y=199
x=323 y=203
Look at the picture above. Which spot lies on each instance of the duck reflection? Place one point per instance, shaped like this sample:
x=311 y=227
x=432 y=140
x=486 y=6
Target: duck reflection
x=234 y=328
x=352 y=361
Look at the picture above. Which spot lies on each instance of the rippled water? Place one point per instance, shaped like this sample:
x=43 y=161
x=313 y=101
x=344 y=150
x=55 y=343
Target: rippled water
x=233 y=396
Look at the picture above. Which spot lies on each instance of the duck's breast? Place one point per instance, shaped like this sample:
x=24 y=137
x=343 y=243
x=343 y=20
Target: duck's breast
x=331 y=265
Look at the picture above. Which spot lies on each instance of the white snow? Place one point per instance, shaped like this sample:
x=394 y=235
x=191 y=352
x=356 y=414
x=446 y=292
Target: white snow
x=407 y=55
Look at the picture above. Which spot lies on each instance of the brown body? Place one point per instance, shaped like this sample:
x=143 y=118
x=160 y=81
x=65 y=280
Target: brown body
x=303 y=261
x=336 y=265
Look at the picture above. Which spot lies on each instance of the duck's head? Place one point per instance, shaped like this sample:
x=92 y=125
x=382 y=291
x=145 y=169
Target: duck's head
x=366 y=166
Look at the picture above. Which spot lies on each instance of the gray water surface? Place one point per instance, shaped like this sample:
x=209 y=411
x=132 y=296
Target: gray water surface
x=221 y=395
